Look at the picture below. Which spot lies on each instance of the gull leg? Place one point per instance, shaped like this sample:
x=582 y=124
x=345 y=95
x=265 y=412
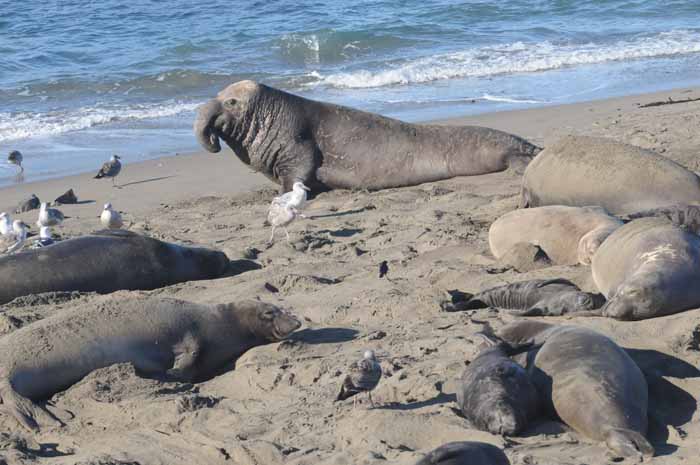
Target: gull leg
x=354 y=402
x=287 y=233
x=369 y=393
x=272 y=236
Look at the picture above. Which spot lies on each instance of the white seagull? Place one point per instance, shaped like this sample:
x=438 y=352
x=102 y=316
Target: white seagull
x=5 y=224
x=111 y=219
x=49 y=216
x=364 y=376
x=110 y=169
x=296 y=197
x=285 y=208
x=14 y=241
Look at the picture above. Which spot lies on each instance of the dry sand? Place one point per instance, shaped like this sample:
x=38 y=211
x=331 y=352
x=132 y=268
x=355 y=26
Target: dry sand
x=277 y=406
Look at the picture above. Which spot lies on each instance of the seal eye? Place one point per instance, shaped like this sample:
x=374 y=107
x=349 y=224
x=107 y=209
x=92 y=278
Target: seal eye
x=230 y=102
x=269 y=315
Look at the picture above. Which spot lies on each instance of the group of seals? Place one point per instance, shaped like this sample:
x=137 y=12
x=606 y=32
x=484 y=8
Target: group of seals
x=163 y=337
x=293 y=139
x=104 y=262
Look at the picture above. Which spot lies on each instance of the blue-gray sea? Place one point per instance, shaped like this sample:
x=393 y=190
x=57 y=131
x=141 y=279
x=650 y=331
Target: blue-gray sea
x=80 y=80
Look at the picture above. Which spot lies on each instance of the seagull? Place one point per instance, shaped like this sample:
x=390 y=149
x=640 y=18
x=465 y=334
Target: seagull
x=296 y=197
x=15 y=158
x=45 y=237
x=49 y=216
x=281 y=215
x=111 y=219
x=110 y=169
x=364 y=376
x=5 y=224
x=14 y=241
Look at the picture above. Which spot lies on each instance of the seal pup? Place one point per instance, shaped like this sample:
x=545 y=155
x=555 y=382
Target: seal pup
x=558 y=230
x=107 y=261
x=648 y=268
x=110 y=169
x=162 y=337
x=293 y=139
x=536 y=297
x=111 y=219
x=495 y=393
x=16 y=158
x=67 y=198
x=581 y=170
x=465 y=453
x=14 y=240
x=364 y=376
x=589 y=382
x=32 y=203
x=49 y=216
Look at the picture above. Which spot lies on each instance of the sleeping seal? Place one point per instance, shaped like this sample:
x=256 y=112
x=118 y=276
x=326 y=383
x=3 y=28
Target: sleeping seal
x=648 y=268
x=590 y=382
x=292 y=139
x=163 y=337
x=465 y=453
x=104 y=262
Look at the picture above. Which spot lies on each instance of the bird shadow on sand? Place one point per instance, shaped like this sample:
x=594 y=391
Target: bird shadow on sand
x=236 y=267
x=324 y=335
x=345 y=213
x=441 y=398
x=143 y=181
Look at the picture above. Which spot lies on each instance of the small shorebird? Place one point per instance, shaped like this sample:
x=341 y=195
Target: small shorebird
x=49 y=216
x=364 y=376
x=5 y=224
x=14 y=241
x=110 y=169
x=15 y=158
x=111 y=219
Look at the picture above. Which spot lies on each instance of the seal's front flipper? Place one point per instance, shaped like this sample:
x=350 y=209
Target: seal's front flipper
x=629 y=443
x=23 y=409
x=186 y=352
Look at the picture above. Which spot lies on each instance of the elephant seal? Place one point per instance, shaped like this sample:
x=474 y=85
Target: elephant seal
x=104 y=262
x=683 y=216
x=160 y=337
x=558 y=230
x=590 y=382
x=292 y=139
x=495 y=393
x=648 y=268
x=536 y=297
x=621 y=178
x=465 y=453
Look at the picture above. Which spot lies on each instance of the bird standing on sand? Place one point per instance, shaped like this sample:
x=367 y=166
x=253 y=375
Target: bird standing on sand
x=383 y=269
x=364 y=376
x=14 y=241
x=5 y=224
x=110 y=169
x=111 y=219
x=45 y=237
x=15 y=158
x=49 y=216
x=295 y=198
x=285 y=208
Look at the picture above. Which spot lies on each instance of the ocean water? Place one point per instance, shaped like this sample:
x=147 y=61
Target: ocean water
x=80 y=80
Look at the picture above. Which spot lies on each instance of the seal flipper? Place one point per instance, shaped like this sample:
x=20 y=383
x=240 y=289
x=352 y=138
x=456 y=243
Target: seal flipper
x=23 y=409
x=629 y=443
x=547 y=282
x=186 y=352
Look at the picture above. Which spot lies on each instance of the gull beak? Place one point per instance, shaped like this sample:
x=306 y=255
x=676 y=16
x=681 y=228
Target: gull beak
x=303 y=186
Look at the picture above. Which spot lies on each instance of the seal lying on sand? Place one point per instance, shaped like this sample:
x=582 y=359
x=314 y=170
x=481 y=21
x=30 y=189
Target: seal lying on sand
x=465 y=453
x=172 y=338
x=590 y=382
x=104 y=262
x=292 y=139
x=621 y=178
x=648 y=268
x=495 y=393
x=557 y=229
x=537 y=297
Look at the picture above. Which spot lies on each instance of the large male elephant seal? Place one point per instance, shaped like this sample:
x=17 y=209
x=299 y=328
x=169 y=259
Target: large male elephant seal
x=172 y=338
x=647 y=268
x=621 y=178
x=292 y=139
x=495 y=393
x=465 y=453
x=104 y=262
x=590 y=382
x=564 y=233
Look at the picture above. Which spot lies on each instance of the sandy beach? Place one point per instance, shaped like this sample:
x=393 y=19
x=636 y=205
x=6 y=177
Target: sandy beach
x=277 y=406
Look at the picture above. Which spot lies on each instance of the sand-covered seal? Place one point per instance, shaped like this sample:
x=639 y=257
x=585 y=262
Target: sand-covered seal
x=106 y=261
x=580 y=171
x=648 y=268
x=589 y=381
x=566 y=234
x=292 y=139
x=160 y=337
x=494 y=392
x=536 y=297
x=465 y=453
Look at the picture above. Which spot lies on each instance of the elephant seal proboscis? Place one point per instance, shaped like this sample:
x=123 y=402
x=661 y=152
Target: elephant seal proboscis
x=161 y=337
x=494 y=392
x=536 y=297
x=648 y=268
x=589 y=381
x=292 y=139
x=104 y=262
x=558 y=230
x=621 y=178
x=465 y=453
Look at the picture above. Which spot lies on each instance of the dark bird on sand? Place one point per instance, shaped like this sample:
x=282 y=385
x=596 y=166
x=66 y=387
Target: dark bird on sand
x=383 y=269
x=110 y=169
x=364 y=376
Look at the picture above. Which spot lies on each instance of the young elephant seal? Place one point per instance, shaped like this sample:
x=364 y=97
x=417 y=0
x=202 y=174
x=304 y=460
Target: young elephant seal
x=621 y=178
x=104 y=262
x=590 y=382
x=495 y=393
x=292 y=139
x=166 y=337
x=648 y=268
x=558 y=230
x=465 y=453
